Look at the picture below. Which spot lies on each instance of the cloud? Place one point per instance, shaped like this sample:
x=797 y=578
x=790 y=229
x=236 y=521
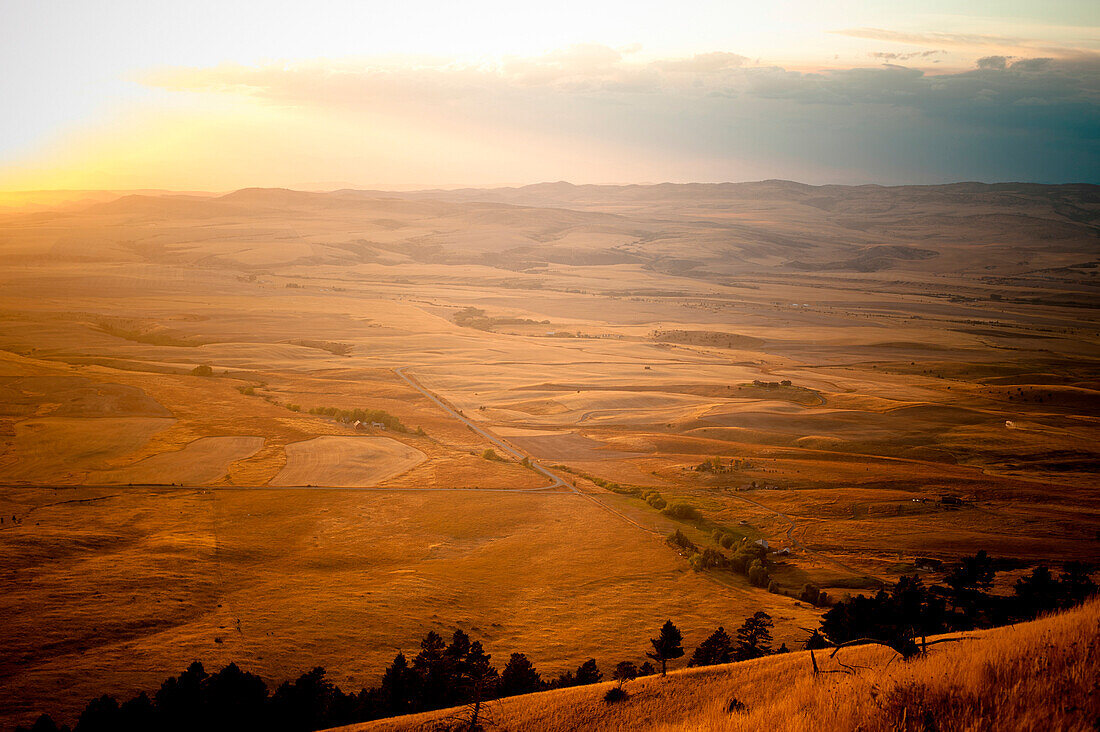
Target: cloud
x=705 y=62
x=1008 y=117
x=888 y=56
x=933 y=39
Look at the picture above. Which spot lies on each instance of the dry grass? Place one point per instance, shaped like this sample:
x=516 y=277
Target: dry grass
x=1036 y=676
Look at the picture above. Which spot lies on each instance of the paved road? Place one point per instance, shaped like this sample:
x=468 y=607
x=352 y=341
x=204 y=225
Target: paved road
x=519 y=455
x=556 y=482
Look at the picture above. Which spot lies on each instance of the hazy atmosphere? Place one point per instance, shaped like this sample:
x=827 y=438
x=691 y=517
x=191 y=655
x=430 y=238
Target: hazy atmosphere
x=221 y=95
x=453 y=367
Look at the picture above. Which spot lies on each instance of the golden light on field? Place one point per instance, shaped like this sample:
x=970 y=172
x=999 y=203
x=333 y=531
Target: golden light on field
x=586 y=335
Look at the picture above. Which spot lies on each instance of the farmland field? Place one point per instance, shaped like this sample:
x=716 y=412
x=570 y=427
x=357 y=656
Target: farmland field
x=861 y=376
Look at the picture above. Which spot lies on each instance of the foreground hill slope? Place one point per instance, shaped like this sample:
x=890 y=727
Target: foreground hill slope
x=1041 y=675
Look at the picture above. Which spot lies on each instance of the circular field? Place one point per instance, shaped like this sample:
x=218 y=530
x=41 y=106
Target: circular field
x=345 y=462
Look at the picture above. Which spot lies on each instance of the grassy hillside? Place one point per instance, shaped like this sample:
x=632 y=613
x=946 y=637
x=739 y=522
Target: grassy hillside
x=1040 y=675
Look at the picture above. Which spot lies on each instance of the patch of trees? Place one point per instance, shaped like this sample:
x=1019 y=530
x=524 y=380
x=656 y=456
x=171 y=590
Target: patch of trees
x=361 y=415
x=749 y=559
x=683 y=512
x=752 y=640
x=202 y=369
x=471 y=317
x=334 y=347
x=903 y=616
x=441 y=675
x=716 y=465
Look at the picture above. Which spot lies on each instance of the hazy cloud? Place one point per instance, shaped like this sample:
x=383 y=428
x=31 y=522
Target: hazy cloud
x=1009 y=117
x=888 y=56
x=933 y=39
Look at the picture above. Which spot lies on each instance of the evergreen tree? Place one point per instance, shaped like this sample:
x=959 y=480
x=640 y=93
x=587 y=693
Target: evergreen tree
x=718 y=648
x=399 y=687
x=101 y=715
x=435 y=670
x=666 y=646
x=588 y=673
x=754 y=637
x=479 y=682
x=519 y=677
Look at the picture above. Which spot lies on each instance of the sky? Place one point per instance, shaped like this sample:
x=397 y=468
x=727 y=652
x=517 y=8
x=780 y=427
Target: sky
x=325 y=94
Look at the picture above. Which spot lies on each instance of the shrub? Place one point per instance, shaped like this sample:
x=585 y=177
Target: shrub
x=683 y=511
x=656 y=501
x=727 y=541
x=614 y=695
x=677 y=538
x=202 y=370
x=758 y=576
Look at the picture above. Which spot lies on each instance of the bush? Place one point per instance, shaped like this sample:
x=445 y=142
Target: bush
x=727 y=541
x=810 y=593
x=202 y=370
x=714 y=559
x=773 y=587
x=677 y=538
x=491 y=454
x=683 y=511
x=615 y=694
x=656 y=501
x=758 y=576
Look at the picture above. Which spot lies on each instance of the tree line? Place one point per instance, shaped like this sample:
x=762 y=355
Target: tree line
x=441 y=675
x=461 y=674
x=903 y=616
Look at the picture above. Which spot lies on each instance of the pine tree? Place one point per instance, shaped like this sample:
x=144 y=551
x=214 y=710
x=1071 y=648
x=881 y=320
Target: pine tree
x=399 y=686
x=519 y=676
x=436 y=671
x=718 y=648
x=754 y=637
x=588 y=673
x=667 y=646
x=479 y=683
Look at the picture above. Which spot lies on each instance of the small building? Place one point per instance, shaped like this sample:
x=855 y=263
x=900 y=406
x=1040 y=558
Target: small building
x=926 y=563
x=358 y=425
x=378 y=425
x=762 y=542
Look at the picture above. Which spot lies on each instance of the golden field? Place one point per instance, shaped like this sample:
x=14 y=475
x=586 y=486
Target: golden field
x=938 y=341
